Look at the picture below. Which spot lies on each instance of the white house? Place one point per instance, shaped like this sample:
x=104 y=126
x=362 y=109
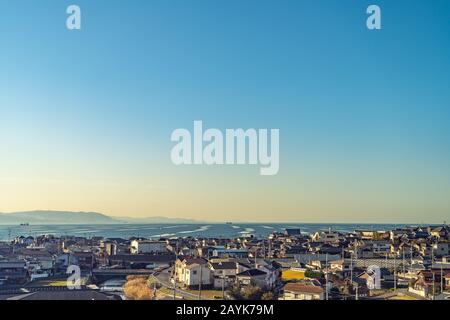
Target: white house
x=148 y=246
x=223 y=273
x=191 y=271
x=196 y=273
x=302 y=291
x=328 y=236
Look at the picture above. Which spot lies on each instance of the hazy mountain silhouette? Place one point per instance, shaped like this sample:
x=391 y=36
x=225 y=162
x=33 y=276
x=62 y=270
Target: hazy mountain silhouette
x=69 y=217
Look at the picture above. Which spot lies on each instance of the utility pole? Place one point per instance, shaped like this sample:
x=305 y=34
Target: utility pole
x=223 y=285
x=200 y=283
x=395 y=273
x=174 y=288
x=434 y=287
x=326 y=275
x=403 y=262
x=411 y=253
x=270 y=248
x=351 y=267
x=174 y=273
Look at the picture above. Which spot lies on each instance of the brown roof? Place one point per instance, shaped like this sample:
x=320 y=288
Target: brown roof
x=302 y=287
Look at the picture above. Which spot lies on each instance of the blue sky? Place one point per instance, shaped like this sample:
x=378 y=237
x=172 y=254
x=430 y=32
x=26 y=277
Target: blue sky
x=363 y=115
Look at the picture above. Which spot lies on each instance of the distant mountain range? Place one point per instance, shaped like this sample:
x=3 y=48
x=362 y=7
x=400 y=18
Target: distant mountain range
x=68 y=217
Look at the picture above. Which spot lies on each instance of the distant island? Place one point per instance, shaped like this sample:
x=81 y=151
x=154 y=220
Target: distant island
x=68 y=217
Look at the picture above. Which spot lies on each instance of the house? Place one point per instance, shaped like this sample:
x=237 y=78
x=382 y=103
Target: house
x=110 y=248
x=230 y=253
x=441 y=249
x=85 y=260
x=13 y=272
x=396 y=234
x=293 y=232
x=191 y=272
x=5 y=249
x=223 y=274
x=402 y=250
x=339 y=266
x=141 y=260
x=26 y=241
x=148 y=246
x=302 y=291
x=419 y=234
x=290 y=251
x=271 y=268
x=381 y=248
x=440 y=232
x=372 y=235
x=254 y=277
x=425 y=284
x=37 y=258
x=447 y=281
x=328 y=236
x=206 y=251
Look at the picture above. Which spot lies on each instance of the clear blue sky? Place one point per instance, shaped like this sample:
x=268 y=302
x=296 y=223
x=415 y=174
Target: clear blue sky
x=86 y=116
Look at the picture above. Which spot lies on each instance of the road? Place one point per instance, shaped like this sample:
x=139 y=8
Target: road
x=164 y=279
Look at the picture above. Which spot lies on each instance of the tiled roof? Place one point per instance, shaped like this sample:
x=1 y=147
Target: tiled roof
x=302 y=288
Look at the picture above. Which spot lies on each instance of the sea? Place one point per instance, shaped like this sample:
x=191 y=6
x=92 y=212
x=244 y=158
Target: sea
x=156 y=231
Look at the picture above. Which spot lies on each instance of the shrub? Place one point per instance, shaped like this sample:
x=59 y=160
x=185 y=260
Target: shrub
x=136 y=288
x=251 y=293
x=268 y=296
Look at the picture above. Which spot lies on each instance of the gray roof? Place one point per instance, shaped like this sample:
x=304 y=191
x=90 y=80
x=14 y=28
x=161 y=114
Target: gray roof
x=143 y=258
x=65 y=295
x=223 y=265
x=251 y=273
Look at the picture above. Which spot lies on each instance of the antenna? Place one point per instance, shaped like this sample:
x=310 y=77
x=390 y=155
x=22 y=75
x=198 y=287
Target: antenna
x=434 y=285
x=395 y=273
x=403 y=262
x=256 y=257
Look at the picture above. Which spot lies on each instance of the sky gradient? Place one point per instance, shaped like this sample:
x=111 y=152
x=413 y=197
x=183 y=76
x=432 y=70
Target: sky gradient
x=86 y=116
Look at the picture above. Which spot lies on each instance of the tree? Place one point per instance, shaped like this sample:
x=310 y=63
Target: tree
x=268 y=296
x=136 y=288
x=251 y=293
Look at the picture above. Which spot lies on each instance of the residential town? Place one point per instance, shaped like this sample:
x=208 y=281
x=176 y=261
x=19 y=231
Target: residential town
x=411 y=263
